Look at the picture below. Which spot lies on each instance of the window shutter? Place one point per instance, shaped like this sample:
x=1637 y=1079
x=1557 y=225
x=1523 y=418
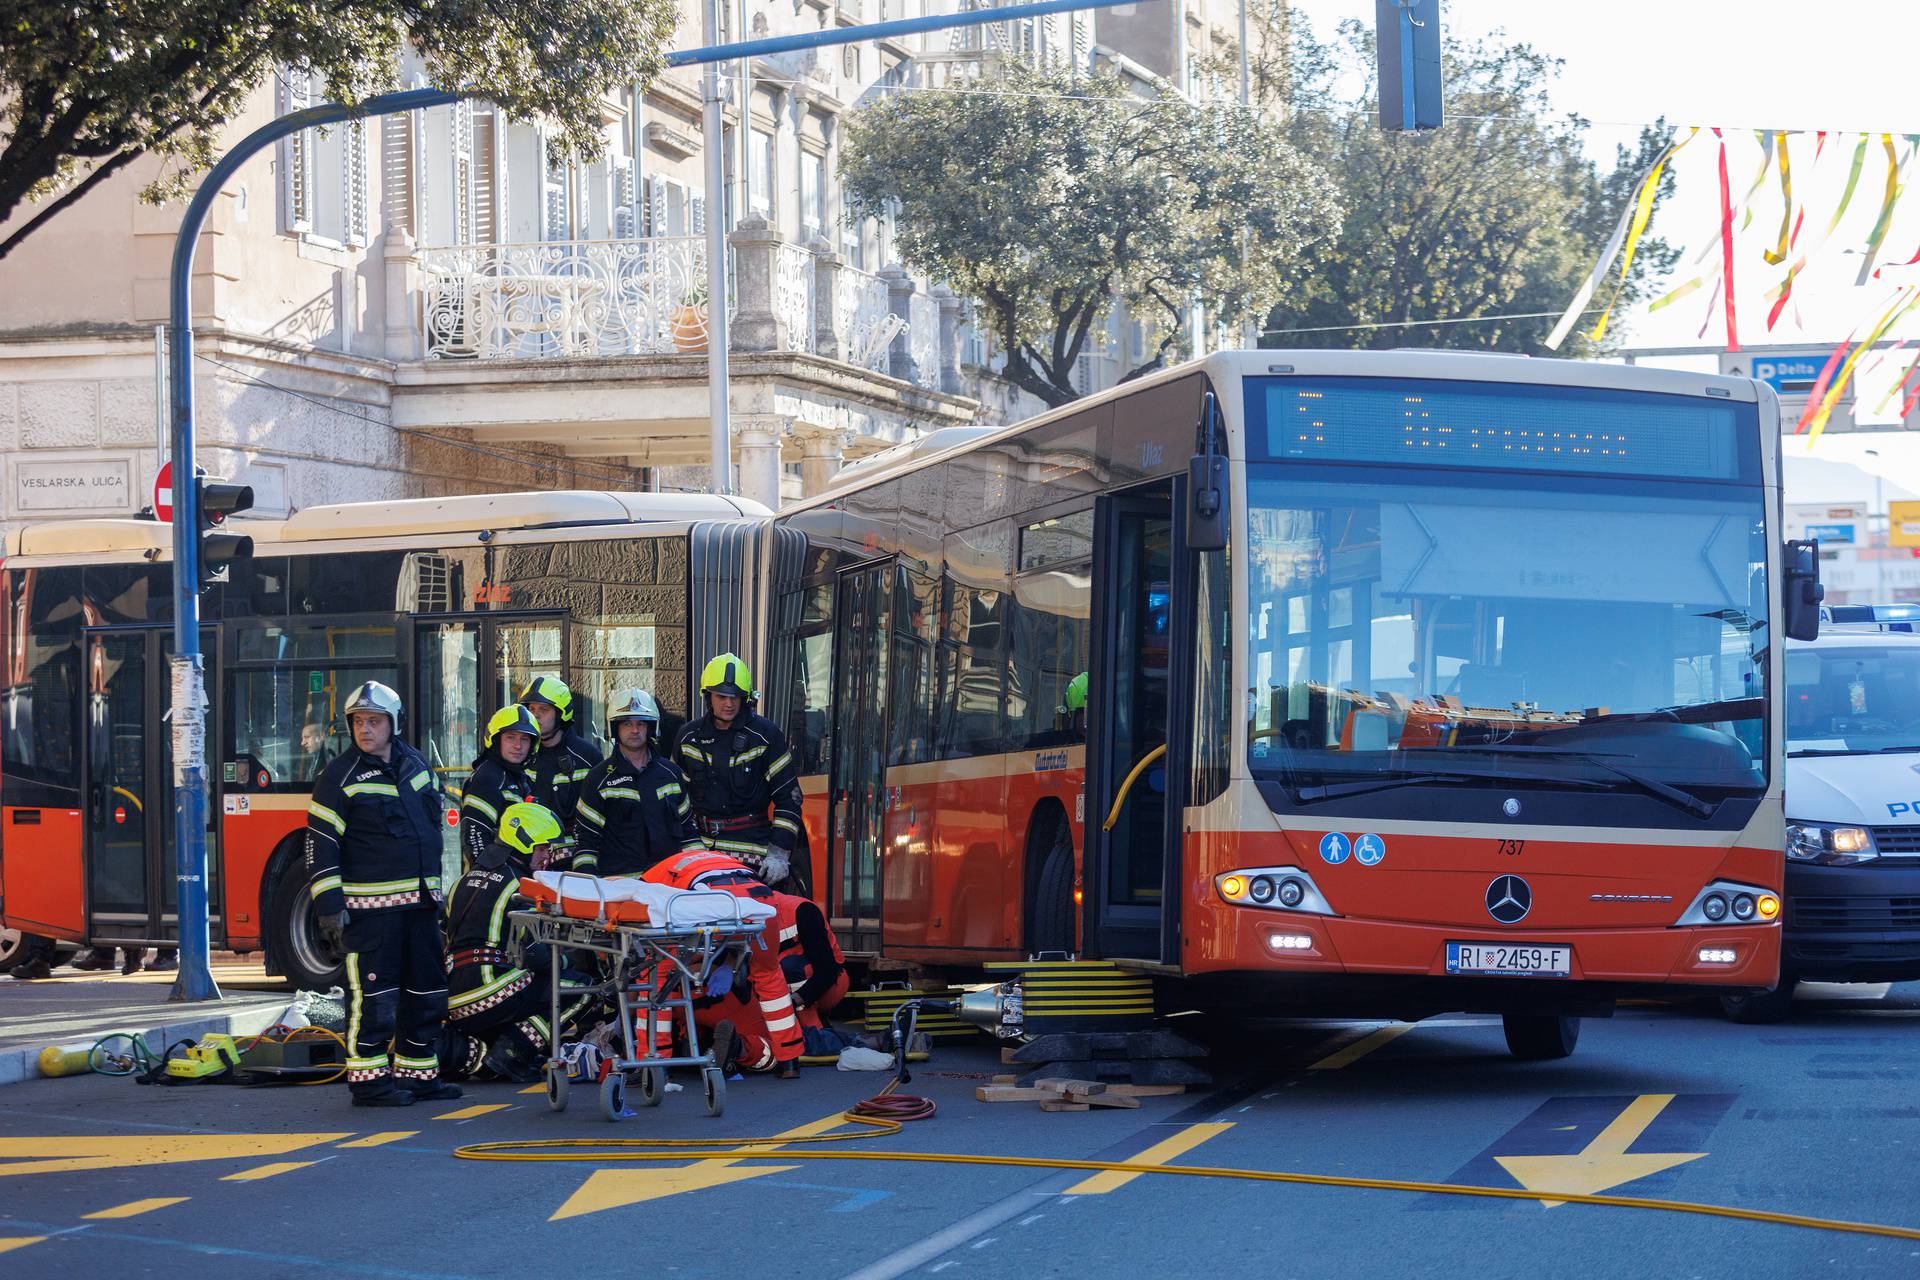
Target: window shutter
x=486 y=194
x=554 y=190
x=460 y=135
x=656 y=210
x=297 y=173
x=698 y=216
x=1082 y=40
x=358 y=215
x=623 y=198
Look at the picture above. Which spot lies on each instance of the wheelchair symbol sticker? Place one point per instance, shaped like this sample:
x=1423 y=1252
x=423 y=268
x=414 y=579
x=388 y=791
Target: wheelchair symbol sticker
x=1335 y=847
x=1369 y=849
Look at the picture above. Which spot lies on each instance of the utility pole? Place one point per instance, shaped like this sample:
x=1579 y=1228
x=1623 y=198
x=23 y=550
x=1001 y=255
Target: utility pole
x=719 y=399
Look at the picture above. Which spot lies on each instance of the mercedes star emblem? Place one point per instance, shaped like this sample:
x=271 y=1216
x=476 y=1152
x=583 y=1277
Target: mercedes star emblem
x=1510 y=807
x=1509 y=899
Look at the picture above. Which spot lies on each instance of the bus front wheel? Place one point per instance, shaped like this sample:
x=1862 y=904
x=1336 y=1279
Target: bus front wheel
x=1538 y=1037
x=295 y=938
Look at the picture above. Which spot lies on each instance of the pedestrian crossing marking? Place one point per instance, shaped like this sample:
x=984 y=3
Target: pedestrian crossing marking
x=73 y=1154
x=134 y=1208
x=1159 y=1153
x=468 y=1113
x=268 y=1170
x=381 y=1139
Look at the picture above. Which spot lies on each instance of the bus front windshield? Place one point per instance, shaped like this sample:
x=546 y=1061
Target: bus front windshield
x=1602 y=633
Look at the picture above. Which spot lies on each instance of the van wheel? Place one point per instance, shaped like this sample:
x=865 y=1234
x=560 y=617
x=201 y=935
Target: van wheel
x=1053 y=896
x=12 y=947
x=1539 y=1037
x=1760 y=1006
x=295 y=938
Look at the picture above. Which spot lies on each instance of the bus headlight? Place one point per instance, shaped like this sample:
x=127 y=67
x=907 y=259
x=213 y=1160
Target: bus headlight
x=1274 y=889
x=1726 y=902
x=1828 y=845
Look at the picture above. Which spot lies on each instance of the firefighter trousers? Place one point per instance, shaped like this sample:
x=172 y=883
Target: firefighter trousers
x=397 y=997
x=515 y=1031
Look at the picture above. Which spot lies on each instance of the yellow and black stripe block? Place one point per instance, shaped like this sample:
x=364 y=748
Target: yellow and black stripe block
x=1080 y=995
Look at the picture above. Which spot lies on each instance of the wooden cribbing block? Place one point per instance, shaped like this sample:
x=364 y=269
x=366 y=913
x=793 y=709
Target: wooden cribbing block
x=1144 y=1090
x=1073 y=1088
x=1061 y=1105
x=1111 y=1100
x=1014 y=1093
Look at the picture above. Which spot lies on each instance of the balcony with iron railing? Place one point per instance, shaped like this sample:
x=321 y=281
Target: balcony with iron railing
x=597 y=299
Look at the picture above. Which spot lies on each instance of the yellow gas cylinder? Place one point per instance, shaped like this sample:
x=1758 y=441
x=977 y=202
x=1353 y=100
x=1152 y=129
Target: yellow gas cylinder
x=65 y=1060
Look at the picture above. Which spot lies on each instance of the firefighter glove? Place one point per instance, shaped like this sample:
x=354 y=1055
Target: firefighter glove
x=333 y=932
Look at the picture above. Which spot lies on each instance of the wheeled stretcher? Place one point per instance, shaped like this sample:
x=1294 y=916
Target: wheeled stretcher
x=654 y=949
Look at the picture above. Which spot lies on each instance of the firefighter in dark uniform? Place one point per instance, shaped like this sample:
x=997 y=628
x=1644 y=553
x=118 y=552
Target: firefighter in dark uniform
x=633 y=806
x=373 y=869
x=499 y=778
x=739 y=767
x=566 y=755
x=497 y=1012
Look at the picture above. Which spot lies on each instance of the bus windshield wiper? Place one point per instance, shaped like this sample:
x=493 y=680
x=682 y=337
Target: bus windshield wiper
x=1673 y=795
x=1334 y=791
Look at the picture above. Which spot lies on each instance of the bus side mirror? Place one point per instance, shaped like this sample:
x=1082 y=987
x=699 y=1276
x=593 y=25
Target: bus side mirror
x=1801 y=592
x=1208 y=506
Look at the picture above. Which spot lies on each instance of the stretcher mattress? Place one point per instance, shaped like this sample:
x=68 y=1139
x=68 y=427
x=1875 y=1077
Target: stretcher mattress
x=638 y=902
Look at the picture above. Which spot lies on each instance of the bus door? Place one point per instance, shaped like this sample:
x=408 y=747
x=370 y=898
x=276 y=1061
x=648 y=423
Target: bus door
x=127 y=772
x=1141 y=647
x=857 y=775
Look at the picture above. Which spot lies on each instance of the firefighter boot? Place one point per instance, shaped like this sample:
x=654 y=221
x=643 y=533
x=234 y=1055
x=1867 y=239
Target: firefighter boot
x=387 y=1094
x=96 y=960
x=431 y=1090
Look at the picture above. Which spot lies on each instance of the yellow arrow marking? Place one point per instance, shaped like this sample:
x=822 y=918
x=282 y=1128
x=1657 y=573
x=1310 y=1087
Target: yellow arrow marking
x=617 y=1188
x=71 y=1155
x=9 y=1243
x=1606 y=1162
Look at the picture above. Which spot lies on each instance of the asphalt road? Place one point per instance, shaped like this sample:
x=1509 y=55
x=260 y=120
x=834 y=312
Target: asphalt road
x=1815 y=1117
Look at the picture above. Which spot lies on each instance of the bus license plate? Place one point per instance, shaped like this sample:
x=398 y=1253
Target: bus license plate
x=1526 y=959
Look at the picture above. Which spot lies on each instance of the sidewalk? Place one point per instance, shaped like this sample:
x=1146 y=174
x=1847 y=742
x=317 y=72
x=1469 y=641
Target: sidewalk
x=75 y=1008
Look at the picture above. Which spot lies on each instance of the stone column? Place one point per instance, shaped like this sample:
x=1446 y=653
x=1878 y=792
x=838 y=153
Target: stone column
x=759 y=459
x=900 y=303
x=756 y=325
x=405 y=304
x=826 y=301
x=952 y=312
x=821 y=454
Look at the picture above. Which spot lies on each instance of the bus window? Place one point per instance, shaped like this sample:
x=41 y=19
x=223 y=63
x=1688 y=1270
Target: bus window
x=285 y=690
x=447 y=673
x=971 y=667
x=38 y=734
x=916 y=621
x=1049 y=650
x=1213 y=707
x=529 y=649
x=807 y=704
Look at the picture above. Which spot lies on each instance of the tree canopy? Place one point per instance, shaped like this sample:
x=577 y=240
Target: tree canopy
x=1046 y=197
x=85 y=90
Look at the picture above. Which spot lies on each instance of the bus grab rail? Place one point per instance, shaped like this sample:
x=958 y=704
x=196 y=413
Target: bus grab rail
x=1113 y=814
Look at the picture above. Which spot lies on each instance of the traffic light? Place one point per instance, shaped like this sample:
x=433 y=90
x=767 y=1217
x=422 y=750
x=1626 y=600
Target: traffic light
x=1407 y=46
x=220 y=550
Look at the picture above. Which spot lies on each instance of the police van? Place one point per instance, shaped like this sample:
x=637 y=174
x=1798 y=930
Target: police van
x=1853 y=812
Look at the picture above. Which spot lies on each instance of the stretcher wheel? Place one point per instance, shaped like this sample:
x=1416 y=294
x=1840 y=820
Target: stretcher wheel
x=558 y=1086
x=714 y=1081
x=653 y=1085
x=613 y=1097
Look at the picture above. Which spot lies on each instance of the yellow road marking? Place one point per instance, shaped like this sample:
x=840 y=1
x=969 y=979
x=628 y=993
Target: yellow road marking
x=268 y=1170
x=74 y=1154
x=134 y=1208
x=468 y=1113
x=382 y=1139
x=1362 y=1047
x=617 y=1188
x=535 y=1088
x=1159 y=1153
x=1605 y=1162
x=9 y=1243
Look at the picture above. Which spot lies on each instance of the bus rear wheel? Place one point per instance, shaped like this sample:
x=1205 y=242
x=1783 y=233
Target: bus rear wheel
x=295 y=938
x=1053 y=893
x=1539 y=1037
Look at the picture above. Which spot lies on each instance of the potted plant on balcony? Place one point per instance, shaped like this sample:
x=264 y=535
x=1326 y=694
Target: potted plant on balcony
x=688 y=321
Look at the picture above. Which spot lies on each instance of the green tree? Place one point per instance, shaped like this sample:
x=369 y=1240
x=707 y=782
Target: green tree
x=1046 y=198
x=1499 y=212
x=87 y=89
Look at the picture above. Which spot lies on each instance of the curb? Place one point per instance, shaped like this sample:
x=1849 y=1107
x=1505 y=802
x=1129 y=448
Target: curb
x=19 y=1065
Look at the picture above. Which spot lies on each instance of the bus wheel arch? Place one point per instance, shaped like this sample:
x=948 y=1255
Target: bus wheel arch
x=1049 y=917
x=289 y=933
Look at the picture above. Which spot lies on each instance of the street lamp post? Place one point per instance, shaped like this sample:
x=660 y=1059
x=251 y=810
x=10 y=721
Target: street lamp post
x=1881 y=514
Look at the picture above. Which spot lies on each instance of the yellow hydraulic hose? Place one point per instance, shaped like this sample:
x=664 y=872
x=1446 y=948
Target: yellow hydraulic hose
x=623 y=1149
x=1113 y=814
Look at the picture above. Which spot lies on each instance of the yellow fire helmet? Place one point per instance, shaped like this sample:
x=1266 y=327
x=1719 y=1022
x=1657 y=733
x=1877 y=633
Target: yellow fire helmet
x=726 y=674
x=526 y=826
x=551 y=690
x=513 y=719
